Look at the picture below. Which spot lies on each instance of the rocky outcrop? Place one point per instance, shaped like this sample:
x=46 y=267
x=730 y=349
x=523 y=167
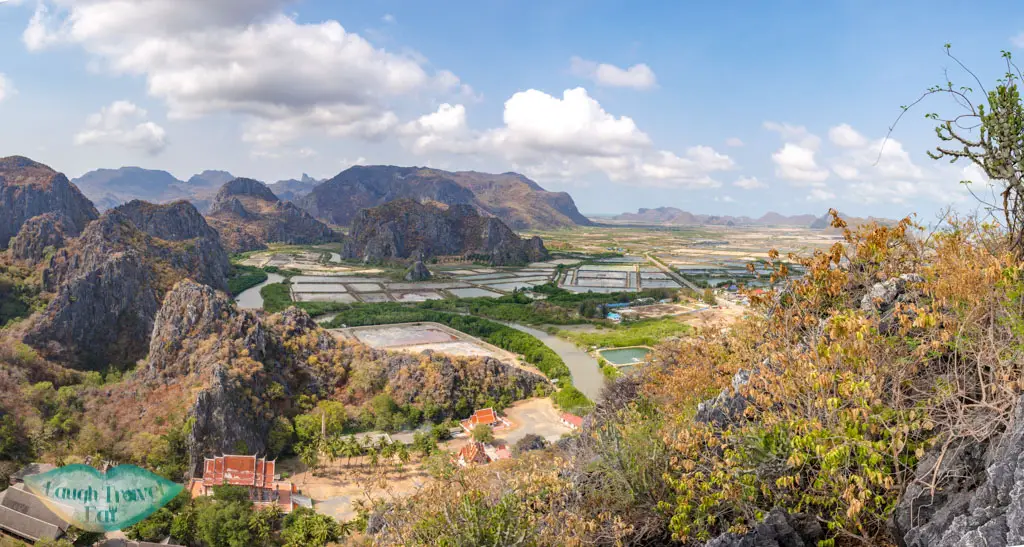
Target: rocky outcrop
x=109 y=282
x=29 y=189
x=248 y=216
x=518 y=201
x=979 y=499
x=779 y=529
x=407 y=229
x=418 y=272
x=38 y=236
x=887 y=297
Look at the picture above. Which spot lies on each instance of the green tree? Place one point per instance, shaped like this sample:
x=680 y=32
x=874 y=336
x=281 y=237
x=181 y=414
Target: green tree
x=483 y=434
x=224 y=523
x=263 y=523
x=305 y=527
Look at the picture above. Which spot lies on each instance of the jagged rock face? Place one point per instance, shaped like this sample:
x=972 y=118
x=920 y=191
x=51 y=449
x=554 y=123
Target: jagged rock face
x=111 y=280
x=38 y=236
x=248 y=216
x=980 y=500
x=515 y=199
x=779 y=529
x=418 y=272
x=29 y=189
x=200 y=336
x=407 y=229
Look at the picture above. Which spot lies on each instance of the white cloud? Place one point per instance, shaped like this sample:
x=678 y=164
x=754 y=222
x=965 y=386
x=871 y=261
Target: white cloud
x=796 y=161
x=796 y=134
x=1018 y=40
x=537 y=123
x=6 y=87
x=725 y=199
x=750 y=183
x=882 y=171
x=388 y=18
x=845 y=136
x=123 y=124
x=820 y=194
x=797 y=164
x=639 y=76
x=734 y=142
x=566 y=138
x=244 y=57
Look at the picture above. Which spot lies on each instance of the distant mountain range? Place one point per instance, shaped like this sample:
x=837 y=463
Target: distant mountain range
x=671 y=216
x=108 y=188
x=518 y=201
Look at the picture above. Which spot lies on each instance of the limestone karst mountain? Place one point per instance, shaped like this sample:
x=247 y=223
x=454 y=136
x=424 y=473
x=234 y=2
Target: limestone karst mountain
x=248 y=216
x=404 y=229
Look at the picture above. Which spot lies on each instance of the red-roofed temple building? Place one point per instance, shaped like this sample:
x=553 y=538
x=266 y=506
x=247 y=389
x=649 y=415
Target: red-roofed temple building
x=255 y=473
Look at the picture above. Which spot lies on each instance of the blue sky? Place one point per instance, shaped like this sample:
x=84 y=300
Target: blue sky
x=622 y=104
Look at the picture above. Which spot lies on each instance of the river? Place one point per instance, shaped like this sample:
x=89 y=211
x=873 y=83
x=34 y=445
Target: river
x=586 y=375
x=251 y=299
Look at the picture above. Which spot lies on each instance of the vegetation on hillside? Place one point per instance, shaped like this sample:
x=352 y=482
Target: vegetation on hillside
x=244 y=277
x=634 y=333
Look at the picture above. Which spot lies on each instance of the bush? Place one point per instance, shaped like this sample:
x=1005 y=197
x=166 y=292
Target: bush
x=572 y=400
x=244 y=277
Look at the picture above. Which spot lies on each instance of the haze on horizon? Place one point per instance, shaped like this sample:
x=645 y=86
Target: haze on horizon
x=709 y=108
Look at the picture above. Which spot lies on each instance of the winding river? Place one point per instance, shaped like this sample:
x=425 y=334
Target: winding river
x=251 y=299
x=586 y=375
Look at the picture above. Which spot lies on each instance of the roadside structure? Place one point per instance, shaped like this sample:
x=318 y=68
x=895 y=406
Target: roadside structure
x=24 y=516
x=473 y=453
x=250 y=471
x=486 y=416
x=573 y=421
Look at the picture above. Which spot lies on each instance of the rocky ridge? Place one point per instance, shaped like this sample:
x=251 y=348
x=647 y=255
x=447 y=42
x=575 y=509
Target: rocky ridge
x=515 y=199
x=248 y=216
x=29 y=189
x=406 y=229
x=115 y=276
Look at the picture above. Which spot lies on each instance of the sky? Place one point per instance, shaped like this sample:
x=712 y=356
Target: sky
x=733 y=108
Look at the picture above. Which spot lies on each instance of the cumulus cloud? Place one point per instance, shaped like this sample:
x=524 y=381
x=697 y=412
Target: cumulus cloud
x=388 y=18
x=750 y=183
x=1018 y=40
x=6 y=87
x=881 y=171
x=735 y=142
x=123 y=124
x=796 y=161
x=639 y=76
x=248 y=58
x=565 y=138
x=845 y=136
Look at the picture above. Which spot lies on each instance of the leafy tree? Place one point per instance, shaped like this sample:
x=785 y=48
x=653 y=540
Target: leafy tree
x=281 y=436
x=529 y=442
x=425 y=444
x=304 y=527
x=483 y=434
x=224 y=523
x=230 y=493
x=263 y=523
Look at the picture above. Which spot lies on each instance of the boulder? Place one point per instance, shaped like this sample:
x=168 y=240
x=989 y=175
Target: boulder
x=418 y=272
x=979 y=500
x=779 y=529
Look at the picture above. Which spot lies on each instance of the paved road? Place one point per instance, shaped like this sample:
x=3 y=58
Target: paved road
x=673 y=274
x=586 y=375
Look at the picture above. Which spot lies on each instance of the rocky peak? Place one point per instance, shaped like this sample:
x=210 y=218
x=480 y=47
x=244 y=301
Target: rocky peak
x=248 y=215
x=243 y=187
x=405 y=229
x=29 y=189
x=110 y=281
x=40 y=234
